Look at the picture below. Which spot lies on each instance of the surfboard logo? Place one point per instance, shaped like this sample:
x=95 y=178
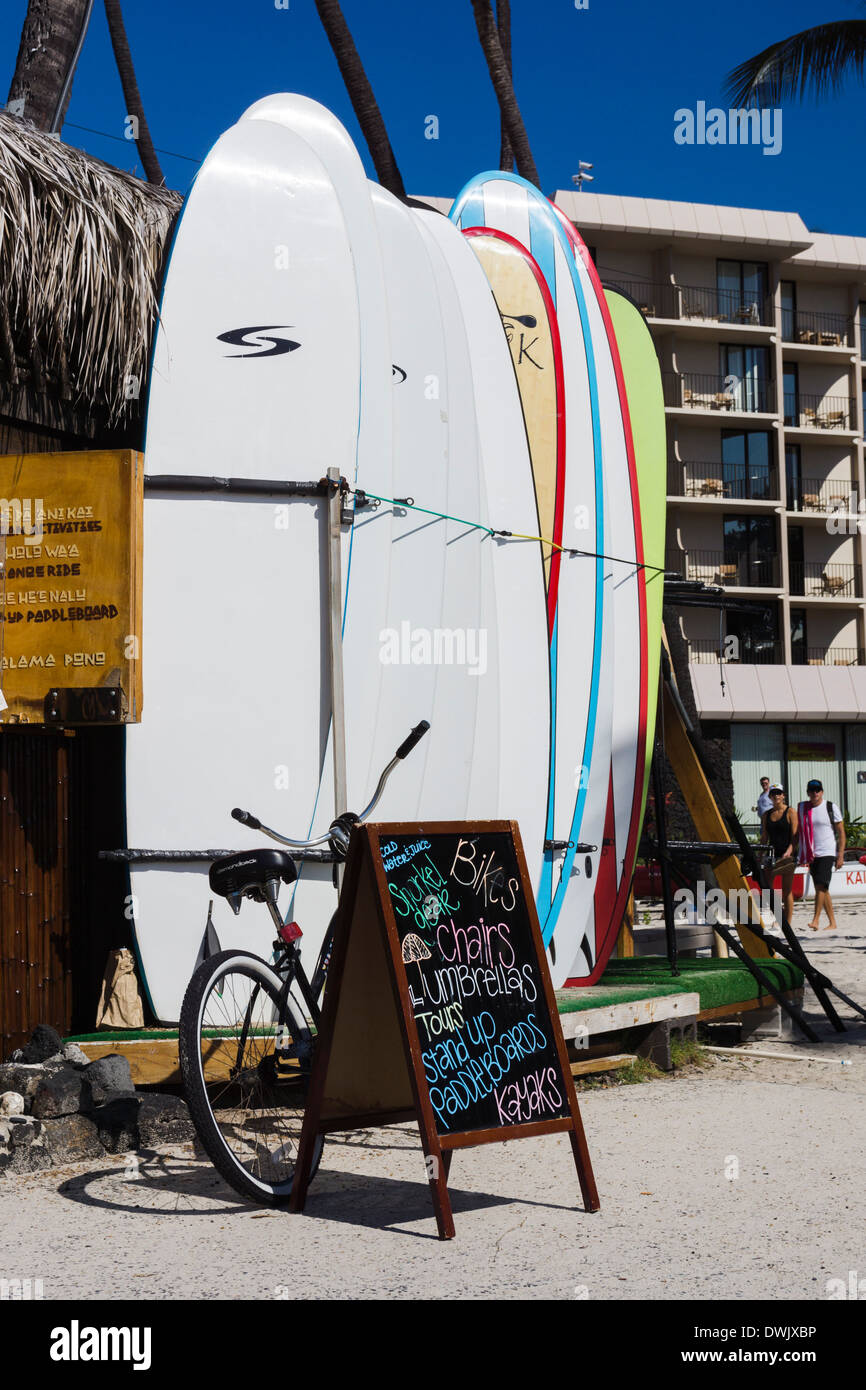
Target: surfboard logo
x=258 y=339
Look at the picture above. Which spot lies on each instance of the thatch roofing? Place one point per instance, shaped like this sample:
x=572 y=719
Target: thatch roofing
x=81 y=254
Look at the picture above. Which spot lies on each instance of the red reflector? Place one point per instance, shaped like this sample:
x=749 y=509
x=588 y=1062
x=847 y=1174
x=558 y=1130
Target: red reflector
x=290 y=931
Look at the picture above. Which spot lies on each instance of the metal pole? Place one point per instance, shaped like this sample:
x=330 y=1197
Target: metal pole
x=335 y=632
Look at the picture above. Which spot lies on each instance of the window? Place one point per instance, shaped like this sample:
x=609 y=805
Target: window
x=789 y=309
x=746 y=464
x=793 y=477
x=742 y=290
x=799 y=637
x=795 y=560
x=757 y=635
x=746 y=371
x=750 y=545
x=791 y=393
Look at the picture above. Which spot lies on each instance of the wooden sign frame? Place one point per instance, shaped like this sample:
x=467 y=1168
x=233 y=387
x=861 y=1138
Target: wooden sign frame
x=368 y=1014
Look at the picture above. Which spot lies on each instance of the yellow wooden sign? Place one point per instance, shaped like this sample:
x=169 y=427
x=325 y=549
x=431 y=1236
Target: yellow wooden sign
x=70 y=587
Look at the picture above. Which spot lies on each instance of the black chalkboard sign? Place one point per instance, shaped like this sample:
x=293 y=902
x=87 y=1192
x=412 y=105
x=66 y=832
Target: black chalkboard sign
x=438 y=1004
x=488 y=1045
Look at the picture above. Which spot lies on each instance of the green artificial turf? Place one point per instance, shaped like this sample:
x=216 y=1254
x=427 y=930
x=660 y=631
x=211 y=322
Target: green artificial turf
x=716 y=981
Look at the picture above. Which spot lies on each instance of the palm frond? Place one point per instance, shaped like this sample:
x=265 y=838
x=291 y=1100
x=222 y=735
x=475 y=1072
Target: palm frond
x=81 y=252
x=817 y=60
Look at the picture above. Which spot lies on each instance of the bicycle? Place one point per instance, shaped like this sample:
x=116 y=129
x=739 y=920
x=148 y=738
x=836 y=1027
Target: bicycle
x=246 y=1043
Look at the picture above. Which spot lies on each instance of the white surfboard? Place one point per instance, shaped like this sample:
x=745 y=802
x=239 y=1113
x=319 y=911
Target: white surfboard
x=513 y=729
x=255 y=375
x=580 y=654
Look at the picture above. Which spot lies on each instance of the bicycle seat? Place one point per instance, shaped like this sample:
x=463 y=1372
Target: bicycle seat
x=246 y=875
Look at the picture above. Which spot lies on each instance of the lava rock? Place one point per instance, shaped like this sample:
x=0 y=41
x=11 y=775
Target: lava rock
x=45 y=1042
x=18 y=1076
x=66 y=1139
x=108 y=1075
x=116 y=1122
x=16 y=1140
x=62 y=1091
x=163 y=1120
x=73 y=1053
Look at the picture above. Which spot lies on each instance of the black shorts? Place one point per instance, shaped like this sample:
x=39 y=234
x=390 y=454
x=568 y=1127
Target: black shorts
x=821 y=870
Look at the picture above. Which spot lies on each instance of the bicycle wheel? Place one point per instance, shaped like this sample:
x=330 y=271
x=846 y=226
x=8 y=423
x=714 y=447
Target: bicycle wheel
x=245 y=1060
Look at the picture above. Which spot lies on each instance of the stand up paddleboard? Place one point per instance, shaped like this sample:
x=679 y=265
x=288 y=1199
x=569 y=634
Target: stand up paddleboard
x=255 y=375
x=643 y=384
x=368 y=543
x=625 y=801
x=581 y=642
x=513 y=729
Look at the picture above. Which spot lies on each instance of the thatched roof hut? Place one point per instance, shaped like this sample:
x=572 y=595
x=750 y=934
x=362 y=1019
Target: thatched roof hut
x=82 y=247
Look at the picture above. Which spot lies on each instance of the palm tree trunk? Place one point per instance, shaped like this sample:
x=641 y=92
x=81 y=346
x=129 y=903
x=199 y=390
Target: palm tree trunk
x=49 y=39
x=361 y=95
x=503 y=26
x=131 y=94
x=504 y=88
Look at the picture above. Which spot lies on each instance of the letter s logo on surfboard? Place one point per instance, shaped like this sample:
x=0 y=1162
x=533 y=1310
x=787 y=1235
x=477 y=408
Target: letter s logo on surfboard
x=256 y=338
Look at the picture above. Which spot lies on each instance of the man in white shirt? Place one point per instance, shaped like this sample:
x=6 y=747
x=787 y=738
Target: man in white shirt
x=822 y=847
x=765 y=801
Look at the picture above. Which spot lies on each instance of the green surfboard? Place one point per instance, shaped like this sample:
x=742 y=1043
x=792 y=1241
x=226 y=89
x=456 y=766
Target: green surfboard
x=643 y=385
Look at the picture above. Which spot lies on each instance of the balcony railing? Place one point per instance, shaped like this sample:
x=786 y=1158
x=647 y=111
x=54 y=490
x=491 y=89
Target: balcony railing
x=693 y=478
x=815 y=580
x=702 y=391
x=831 y=656
x=655 y=300
x=704 y=651
x=816 y=329
x=725 y=568
x=725 y=306
x=694 y=303
x=821 y=494
x=817 y=412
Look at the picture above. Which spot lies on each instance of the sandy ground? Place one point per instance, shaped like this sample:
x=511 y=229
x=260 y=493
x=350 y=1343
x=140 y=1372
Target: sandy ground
x=744 y=1181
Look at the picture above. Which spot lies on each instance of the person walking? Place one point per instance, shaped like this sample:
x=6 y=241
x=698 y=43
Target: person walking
x=779 y=830
x=822 y=847
x=765 y=801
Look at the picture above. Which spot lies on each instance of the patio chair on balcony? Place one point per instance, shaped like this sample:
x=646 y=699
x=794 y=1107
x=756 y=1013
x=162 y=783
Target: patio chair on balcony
x=808 y=417
x=831 y=339
x=712 y=487
x=648 y=310
x=834 y=584
x=833 y=420
x=811 y=501
x=723 y=400
x=807 y=335
x=726 y=574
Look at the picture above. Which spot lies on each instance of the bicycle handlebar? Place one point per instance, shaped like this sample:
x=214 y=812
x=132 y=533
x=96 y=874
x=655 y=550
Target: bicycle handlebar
x=414 y=738
x=337 y=832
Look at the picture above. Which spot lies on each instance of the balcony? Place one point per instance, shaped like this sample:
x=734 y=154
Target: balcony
x=704 y=651
x=696 y=303
x=725 y=568
x=832 y=656
x=816 y=412
x=816 y=329
x=816 y=580
x=725 y=394
x=821 y=494
x=725 y=481
x=655 y=300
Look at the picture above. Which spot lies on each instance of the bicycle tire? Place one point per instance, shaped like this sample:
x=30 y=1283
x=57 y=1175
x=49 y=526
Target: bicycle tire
x=246 y=1104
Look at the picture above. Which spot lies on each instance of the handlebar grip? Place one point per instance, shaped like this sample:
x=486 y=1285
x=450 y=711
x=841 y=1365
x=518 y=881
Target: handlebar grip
x=415 y=737
x=246 y=818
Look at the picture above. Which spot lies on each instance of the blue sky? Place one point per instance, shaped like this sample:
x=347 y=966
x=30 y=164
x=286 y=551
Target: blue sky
x=599 y=84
